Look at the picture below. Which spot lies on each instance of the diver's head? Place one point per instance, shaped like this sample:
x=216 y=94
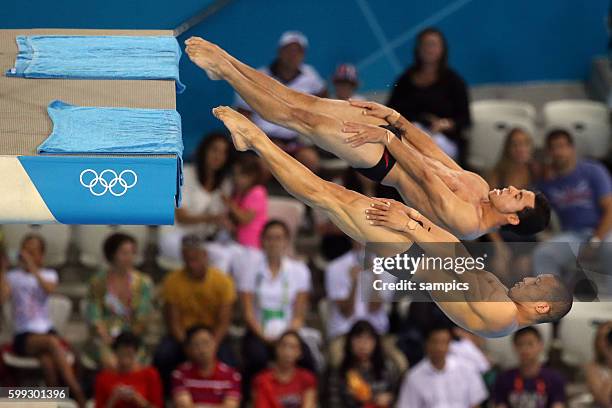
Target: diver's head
x=541 y=299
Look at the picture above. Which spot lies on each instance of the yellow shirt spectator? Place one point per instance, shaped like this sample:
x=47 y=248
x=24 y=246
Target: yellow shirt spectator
x=198 y=301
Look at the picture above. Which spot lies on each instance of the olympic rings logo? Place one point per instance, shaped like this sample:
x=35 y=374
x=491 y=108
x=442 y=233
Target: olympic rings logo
x=108 y=181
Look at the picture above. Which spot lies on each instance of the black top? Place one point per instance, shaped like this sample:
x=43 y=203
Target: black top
x=445 y=98
x=339 y=393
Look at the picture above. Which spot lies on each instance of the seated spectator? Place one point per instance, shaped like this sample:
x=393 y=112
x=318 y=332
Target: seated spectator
x=441 y=379
x=248 y=207
x=198 y=294
x=129 y=384
x=470 y=347
x=580 y=192
x=202 y=210
x=412 y=328
x=531 y=384
x=351 y=301
x=119 y=299
x=274 y=293
x=346 y=82
x=203 y=381
x=285 y=384
x=431 y=94
x=365 y=378
x=28 y=287
x=599 y=372
x=289 y=69
x=516 y=167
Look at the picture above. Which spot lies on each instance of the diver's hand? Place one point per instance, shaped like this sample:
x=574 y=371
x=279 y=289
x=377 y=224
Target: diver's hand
x=393 y=215
x=377 y=110
x=363 y=133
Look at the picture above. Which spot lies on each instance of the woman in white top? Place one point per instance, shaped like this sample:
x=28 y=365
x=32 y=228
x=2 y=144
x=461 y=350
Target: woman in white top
x=274 y=290
x=28 y=287
x=599 y=372
x=202 y=210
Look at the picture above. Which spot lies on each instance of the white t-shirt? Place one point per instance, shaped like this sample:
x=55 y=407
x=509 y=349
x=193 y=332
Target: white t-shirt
x=29 y=301
x=338 y=286
x=308 y=81
x=467 y=350
x=197 y=200
x=274 y=296
x=457 y=385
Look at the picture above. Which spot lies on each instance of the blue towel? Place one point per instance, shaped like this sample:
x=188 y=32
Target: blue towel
x=94 y=130
x=98 y=57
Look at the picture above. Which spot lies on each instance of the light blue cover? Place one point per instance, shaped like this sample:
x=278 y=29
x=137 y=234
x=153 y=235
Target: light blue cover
x=102 y=130
x=98 y=57
x=105 y=190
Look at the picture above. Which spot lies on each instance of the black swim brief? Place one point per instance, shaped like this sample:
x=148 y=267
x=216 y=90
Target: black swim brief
x=386 y=162
x=414 y=252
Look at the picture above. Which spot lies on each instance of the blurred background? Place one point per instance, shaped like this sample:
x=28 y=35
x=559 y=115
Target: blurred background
x=499 y=47
x=272 y=288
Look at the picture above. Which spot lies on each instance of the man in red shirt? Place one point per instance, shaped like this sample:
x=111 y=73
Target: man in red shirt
x=130 y=386
x=202 y=380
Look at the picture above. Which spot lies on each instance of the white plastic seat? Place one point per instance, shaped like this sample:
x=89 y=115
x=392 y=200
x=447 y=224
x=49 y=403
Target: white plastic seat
x=60 y=308
x=577 y=331
x=92 y=237
x=288 y=210
x=56 y=236
x=491 y=122
x=587 y=121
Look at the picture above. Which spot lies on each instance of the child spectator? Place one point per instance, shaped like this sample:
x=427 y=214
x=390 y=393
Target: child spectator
x=346 y=82
x=129 y=385
x=248 y=207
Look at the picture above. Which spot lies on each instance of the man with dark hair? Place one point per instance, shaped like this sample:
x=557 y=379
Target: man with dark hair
x=383 y=146
x=580 y=192
x=202 y=380
x=530 y=384
x=484 y=305
x=441 y=379
x=195 y=294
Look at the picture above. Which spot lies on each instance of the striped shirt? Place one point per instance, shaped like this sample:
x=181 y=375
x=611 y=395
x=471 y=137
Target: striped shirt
x=224 y=382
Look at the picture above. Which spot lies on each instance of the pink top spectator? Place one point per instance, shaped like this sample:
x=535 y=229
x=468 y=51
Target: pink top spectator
x=256 y=199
